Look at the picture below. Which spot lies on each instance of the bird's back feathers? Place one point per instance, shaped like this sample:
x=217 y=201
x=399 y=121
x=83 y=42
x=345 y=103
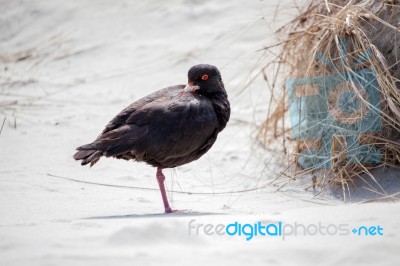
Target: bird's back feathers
x=165 y=129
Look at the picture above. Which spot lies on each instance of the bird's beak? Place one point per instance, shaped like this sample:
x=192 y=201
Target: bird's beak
x=190 y=87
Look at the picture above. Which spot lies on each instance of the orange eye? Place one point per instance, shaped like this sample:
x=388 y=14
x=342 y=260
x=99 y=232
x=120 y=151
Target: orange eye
x=204 y=77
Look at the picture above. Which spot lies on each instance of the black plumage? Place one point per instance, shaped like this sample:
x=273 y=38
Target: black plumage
x=168 y=128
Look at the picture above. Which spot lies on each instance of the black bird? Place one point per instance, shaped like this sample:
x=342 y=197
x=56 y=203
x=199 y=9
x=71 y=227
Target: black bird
x=168 y=128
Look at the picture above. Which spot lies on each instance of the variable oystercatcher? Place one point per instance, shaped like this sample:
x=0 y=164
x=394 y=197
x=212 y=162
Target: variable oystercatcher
x=168 y=128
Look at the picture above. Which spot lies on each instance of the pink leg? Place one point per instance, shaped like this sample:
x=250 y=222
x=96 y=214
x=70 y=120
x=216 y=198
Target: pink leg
x=160 y=179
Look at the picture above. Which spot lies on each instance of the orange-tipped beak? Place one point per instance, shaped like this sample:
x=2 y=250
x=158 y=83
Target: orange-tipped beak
x=190 y=87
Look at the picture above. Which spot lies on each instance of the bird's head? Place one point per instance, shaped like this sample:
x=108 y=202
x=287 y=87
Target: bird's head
x=205 y=79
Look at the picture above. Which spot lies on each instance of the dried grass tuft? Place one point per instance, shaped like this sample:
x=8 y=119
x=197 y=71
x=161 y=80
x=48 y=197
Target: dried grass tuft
x=311 y=45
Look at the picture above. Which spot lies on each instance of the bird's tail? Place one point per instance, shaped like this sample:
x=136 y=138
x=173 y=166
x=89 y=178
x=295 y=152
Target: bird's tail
x=88 y=154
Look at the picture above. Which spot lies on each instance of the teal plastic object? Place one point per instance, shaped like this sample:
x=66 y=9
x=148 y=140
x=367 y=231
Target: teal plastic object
x=342 y=104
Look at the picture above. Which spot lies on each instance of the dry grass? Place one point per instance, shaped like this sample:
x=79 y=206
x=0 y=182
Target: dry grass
x=311 y=45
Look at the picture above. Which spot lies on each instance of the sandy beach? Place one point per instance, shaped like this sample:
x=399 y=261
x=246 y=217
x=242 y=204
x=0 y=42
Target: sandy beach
x=68 y=67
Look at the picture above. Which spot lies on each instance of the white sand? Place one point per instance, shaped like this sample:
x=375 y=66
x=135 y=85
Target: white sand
x=89 y=59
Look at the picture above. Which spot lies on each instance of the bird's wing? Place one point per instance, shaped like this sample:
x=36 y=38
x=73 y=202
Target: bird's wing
x=176 y=127
x=164 y=125
x=122 y=117
x=118 y=129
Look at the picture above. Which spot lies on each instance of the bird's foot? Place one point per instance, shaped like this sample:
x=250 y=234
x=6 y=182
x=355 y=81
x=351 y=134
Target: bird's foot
x=169 y=210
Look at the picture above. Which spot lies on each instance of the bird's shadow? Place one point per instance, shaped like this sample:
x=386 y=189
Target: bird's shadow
x=155 y=215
